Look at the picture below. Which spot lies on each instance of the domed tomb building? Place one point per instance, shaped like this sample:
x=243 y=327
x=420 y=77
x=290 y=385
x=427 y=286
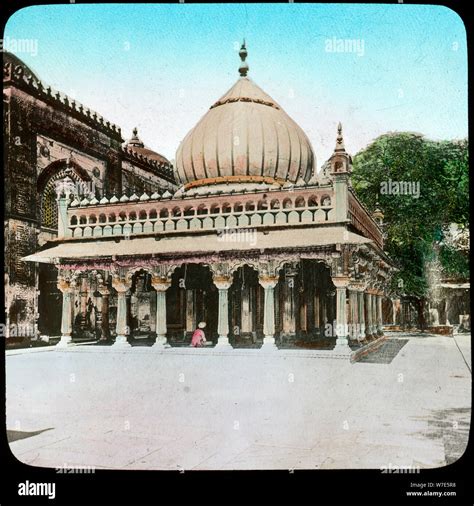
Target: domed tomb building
x=254 y=242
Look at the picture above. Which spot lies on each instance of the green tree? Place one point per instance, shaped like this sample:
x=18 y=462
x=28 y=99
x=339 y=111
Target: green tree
x=415 y=225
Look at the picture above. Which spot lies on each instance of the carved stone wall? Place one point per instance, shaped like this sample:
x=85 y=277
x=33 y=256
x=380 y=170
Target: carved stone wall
x=41 y=130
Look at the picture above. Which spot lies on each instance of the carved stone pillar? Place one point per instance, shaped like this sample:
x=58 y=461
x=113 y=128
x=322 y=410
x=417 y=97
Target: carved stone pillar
x=353 y=314
x=223 y=283
x=379 y=314
x=342 y=343
x=160 y=285
x=374 y=314
x=369 y=321
x=121 y=286
x=104 y=313
x=289 y=304
x=278 y=319
x=67 y=288
x=268 y=283
x=361 y=314
x=129 y=300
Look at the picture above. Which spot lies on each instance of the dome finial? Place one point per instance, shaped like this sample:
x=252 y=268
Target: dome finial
x=135 y=140
x=244 y=67
x=339 y=139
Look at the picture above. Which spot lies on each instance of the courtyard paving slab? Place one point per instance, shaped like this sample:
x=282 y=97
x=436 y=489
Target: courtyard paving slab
x=248 y=411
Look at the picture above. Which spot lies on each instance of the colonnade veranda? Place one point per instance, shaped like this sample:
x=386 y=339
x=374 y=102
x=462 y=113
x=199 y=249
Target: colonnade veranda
x=357 y=311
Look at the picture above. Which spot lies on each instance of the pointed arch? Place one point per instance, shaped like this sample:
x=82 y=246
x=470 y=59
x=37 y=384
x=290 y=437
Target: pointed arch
x=46 y=188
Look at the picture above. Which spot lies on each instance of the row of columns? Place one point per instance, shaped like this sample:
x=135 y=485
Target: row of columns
x=223 y=283
x=161 y=285
x=351 y=324
x=364 y=314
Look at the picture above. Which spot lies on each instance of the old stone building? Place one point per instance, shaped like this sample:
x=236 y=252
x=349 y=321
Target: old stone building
x=48 y=136
x=252 y=239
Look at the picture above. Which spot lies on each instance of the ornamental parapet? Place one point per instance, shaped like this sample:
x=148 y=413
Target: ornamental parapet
x=168 y=212
x=162 y=213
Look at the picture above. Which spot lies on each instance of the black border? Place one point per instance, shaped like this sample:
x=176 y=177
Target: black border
x=345 y=487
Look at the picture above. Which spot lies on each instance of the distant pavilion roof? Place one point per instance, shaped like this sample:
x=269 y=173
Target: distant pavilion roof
x=137 y=145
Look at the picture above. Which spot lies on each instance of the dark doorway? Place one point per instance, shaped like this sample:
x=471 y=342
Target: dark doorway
x=192 y=298
x=49 y=301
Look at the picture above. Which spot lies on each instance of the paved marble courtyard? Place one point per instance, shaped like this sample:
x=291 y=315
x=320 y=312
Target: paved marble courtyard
x=407 y=404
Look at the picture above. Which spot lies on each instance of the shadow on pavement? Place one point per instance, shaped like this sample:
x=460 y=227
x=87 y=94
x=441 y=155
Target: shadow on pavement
x=452 y=427
x=15 y=435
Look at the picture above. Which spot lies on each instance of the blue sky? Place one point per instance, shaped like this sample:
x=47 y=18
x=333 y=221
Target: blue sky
x=159 y=67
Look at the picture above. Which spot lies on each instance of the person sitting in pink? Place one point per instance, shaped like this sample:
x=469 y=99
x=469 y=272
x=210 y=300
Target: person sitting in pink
x=199 y=338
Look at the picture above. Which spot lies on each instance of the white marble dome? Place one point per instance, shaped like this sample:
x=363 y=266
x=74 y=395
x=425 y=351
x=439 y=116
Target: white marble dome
x=244 y=137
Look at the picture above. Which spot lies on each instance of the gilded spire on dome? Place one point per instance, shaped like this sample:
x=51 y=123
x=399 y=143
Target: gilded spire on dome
x=340 y=139
x=244 y=66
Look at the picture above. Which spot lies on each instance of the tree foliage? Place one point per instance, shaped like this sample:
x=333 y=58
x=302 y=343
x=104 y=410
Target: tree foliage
x=415 y=225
